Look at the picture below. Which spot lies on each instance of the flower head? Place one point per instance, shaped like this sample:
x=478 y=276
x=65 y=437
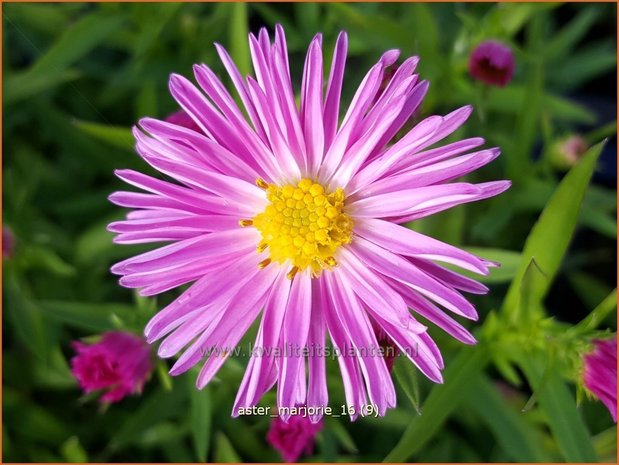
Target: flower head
x=293 y=438
x=492 y=62
x=294 y=217
x=118 y=364
x=600 y=373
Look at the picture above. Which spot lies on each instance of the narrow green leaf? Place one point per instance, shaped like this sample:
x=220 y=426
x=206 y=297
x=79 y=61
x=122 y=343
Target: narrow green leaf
x=114 y=135
x=408 y=378
x=550 y=236
x=343 y=436
x=238 y=45
x=201 y=411
x=224 y=452
x=77 y=41
x=510 y=263
x=28 y=324
x=510 y=429
x=563 y=41
x=159 y=406
x=443 y=400
x=21 y=85
x=73 y=452
x=84 y=315
x=598 y=315
x=73 y=44
x=564 y=419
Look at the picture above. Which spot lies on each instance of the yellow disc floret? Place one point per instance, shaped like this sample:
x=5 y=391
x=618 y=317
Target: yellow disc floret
x=303 y=224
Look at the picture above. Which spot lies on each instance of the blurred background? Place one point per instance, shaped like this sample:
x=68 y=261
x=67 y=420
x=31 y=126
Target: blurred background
x=76 y=77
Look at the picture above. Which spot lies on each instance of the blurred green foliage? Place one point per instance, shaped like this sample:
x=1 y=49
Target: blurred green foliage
x=77 y=76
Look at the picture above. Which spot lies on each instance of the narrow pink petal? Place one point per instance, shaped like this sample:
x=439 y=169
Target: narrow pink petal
x=431 y=174
x=428 y=157
x=406 y=146
x=240 y=87
x=201 y=150
x=241 y=198
x=202 y=223
x=416 y=349
x=361 y=101
x=291 y=389
x=203 y=247
x=241 y=313
x=374 y=292
x=317 y=394
x=486 y=190
x=404 y=241
x=450 y=278
x=201 y=110
x=410 y=201
x=288 y=165
x=356 y=155
x=395 y=267
x=311 y=106
x=354 y=388
x=259 y=375
x=432 y=313
x=334 y=88
x=356 y=324
x=200 y=294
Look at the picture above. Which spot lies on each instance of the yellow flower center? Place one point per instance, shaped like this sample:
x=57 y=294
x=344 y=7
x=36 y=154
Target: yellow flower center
x=303 y=224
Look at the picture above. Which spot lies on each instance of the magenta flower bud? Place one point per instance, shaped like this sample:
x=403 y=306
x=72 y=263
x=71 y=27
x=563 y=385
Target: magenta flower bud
x=600 y=373
x=8 y=242
x=118 y=364
x=181 y=118
x=493 y=63
x=295 y=438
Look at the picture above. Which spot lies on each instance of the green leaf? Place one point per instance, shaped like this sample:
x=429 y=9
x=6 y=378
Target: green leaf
x=564 y=419
x=73 y=44
x=563 y=42
x=201 y=411
x=443 y=400
x=224 y=452
x=550 y=236
x=238 y=33
x=159 y=406
x=598 y=315
x=343 y=436
x=408 y=378
x=84 y=315
x=28 y=324
x=113 y=135
x=73 y=452
x=513 y=434
x=510 y=263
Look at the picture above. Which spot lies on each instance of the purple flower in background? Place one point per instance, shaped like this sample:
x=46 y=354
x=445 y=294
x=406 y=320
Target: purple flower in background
x=293 y=216
x=600 y=373
x=294 y=438
x=493 y=63
x=8 y=242
x=118 y=364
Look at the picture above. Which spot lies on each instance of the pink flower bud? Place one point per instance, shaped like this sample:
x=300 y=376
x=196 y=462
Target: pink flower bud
x=493 y=63
x=600 y=373
x=118 y=364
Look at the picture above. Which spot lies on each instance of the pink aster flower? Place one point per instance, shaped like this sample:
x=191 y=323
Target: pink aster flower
x=492 y=62
x=294 y=438
x=294 y=216
x=118 y=364
x=600 y=373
